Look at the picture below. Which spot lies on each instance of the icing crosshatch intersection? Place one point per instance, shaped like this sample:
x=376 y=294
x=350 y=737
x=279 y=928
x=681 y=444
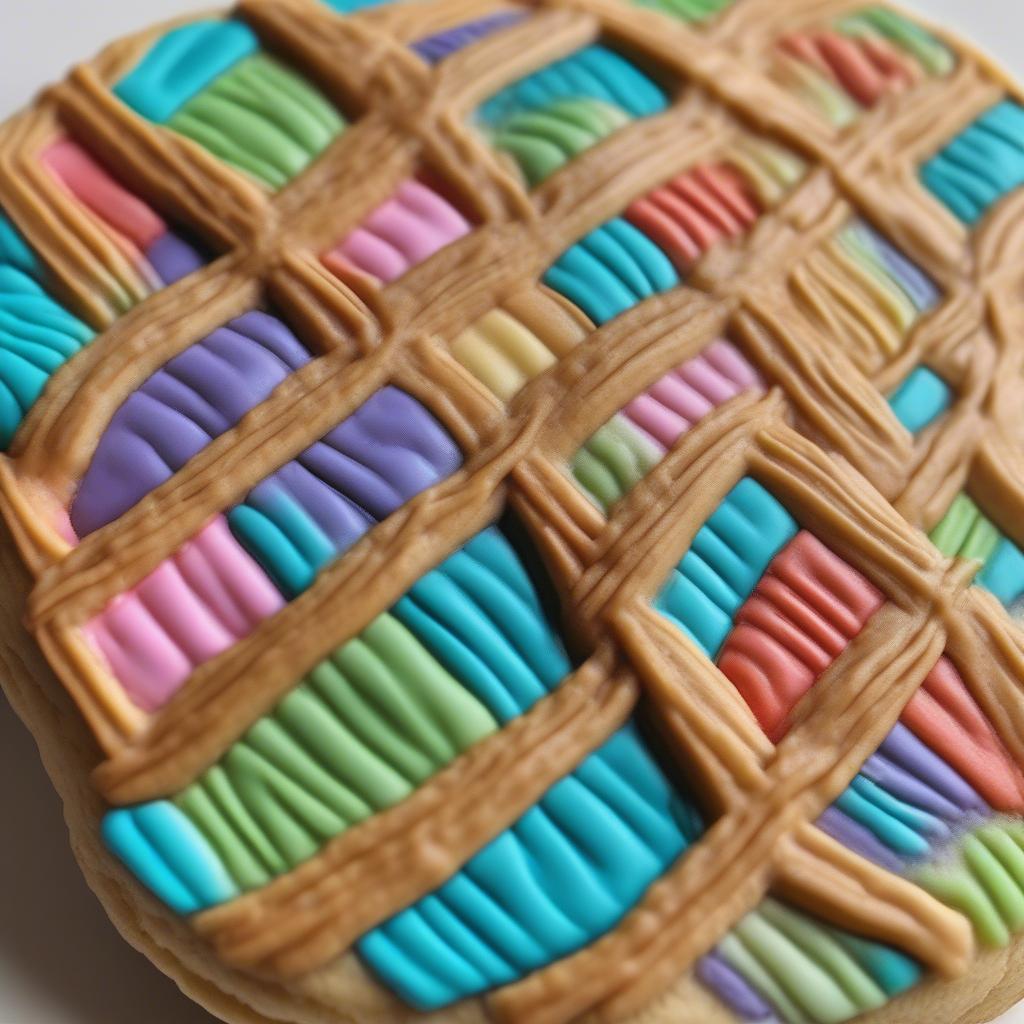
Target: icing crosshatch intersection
x=528 y=500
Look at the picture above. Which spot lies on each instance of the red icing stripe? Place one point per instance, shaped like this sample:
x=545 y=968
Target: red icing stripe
x=95 y=188
x=689 y=214
x=944 y=715
x=868 y=69
x=808 y=606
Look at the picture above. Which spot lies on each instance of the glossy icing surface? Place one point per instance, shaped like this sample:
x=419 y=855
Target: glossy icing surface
x=722 y=696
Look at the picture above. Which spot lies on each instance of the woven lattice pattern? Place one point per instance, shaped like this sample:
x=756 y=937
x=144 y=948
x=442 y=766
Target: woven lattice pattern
x=678 y=266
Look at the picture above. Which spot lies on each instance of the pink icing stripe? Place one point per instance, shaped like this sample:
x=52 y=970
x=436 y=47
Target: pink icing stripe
x=407 y=229
x=670 y=407
x=198 y=603
x=125 y=213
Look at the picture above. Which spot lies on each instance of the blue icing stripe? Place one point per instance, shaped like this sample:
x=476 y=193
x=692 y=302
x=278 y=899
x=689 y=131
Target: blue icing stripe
x=562 y=876
x=594 y=72
x=921 y=399
x=894 y=971
x=169 y=855
x=182 y=64
x=611 y=270
x=727 y=558
x=981 y=165
x=480 y=615
x=37 y=335
x=351 y=6
x=1003 y=573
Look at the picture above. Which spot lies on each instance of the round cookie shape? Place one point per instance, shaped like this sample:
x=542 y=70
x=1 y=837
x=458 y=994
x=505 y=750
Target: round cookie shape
x=517 y=508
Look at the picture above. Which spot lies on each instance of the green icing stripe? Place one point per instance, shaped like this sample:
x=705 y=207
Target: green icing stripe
x=542 y=141
x=810 y=971
x=966 y=532
x=262 y=118
x=614 y=460
x=984 y=879
x=687 y=10
x=37 y=335
x=363 y=730
x=931 y=53
x=182 y=64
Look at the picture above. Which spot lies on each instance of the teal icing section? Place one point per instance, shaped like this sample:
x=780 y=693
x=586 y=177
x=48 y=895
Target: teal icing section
x=37 y=335
x=482 y=617
x=981 y=165
x=1003 y=573
x=169 y=855
x=895 y=972
x=902 y=827
x=611 y=270
x=562 y=876
x=594 y=72
x=921 y=399
x=351 y=6
x=728 y=557
x=182 y=64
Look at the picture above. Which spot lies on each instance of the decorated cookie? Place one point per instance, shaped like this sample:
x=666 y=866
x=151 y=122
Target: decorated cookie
x=519 y=509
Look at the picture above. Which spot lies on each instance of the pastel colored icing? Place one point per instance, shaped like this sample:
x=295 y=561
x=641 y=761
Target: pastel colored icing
x=611 y=270
x=625 y=449
x=687 y=10
x=966 y=532
x=558 y=879
x=554 y=114
x=161 y=256
x=404 y=231
x=435 y=48
x=690 y=214
x=921 y=399
x=864 y=291
x=861 y=59
x=177 y=412
x=726 y=560
x=315 y=507
x=352 y=6
x=470 y=646
x=209 y=82
x=806 y=608
x=984 y=163
x=803 y=971
x=197 y=604
x=37 y=335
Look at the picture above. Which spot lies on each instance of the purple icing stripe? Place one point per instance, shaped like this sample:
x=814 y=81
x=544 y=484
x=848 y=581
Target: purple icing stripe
x=733 y=989
x=859 y=839
x=196 y=397
x=173 y=258
x=443 y=44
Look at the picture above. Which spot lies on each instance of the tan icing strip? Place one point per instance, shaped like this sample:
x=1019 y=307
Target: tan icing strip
x=766 y=798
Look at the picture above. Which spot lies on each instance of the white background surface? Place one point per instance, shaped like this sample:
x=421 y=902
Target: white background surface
x=61 y=962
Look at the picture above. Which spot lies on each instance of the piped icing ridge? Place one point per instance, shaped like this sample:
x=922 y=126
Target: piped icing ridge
x=416 y=222
x=981 y=165
x=554 y=114
x=210 y=82
x=858 y=61
x=160 y=255
x=269 y=548
x=470 y=646
x=37 y=334
x=441 y=45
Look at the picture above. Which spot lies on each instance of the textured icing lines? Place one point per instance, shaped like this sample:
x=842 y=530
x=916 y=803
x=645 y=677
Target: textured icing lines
x=863 y=292
x=613 y=827
x=687 y=10
x=982 y=165
x=552 y=115
x=626 y=448
x=219 y=587
x=37 y=334
x=416 y=222
x=440 y=45
x=966 y=532
x=210 y=82
x=470 y=645
x=158 y=254
x=855 y=63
